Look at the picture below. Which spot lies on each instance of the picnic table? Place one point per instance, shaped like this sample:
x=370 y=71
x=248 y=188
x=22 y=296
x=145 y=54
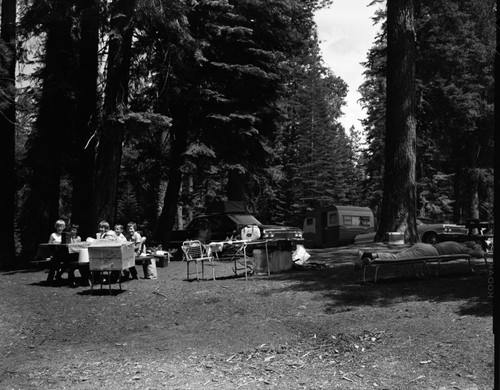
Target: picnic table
x=61 y=256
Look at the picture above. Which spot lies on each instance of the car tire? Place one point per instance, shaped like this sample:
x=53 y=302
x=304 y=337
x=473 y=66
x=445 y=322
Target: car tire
x=430 y=238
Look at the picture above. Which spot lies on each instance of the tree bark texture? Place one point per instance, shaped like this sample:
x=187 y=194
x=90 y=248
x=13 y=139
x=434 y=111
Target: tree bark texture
x=236 y=185
x=179 y=139
x=83 y=169
x=399 y=200
x=473 y=179
x=7 y=146
x=47 y=151
x=109 y=151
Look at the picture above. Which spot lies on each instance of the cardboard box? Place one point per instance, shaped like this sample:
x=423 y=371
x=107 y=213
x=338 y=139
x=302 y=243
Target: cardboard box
x=111 y=256
x=278 y=261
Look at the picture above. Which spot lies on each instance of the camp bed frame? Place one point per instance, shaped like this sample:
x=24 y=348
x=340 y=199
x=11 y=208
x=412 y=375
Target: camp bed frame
x=377 y=263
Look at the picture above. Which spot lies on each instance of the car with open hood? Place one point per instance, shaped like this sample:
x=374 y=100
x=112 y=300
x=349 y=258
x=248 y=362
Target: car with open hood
x=229 y=223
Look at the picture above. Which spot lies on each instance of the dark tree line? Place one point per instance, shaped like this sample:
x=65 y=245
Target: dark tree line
x=150 y=110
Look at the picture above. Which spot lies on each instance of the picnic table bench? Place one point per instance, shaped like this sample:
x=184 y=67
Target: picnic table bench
x=377 y=263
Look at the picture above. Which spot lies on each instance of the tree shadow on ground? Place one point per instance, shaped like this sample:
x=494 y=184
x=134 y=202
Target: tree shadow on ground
x=344 y=287
x=23 y=270
x=102 y=292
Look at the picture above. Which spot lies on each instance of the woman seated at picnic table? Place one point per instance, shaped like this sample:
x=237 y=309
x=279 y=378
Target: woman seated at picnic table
x=470 y=248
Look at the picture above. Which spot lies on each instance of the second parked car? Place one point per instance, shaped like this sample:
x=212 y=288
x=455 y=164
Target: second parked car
x=428 y=232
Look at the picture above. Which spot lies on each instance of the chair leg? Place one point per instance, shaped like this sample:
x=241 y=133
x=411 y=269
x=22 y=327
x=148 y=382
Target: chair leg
x=376 y=273
x=486 y=264
x=427 y=268
x=439 y=265
x=417 y=273
x=470 y=266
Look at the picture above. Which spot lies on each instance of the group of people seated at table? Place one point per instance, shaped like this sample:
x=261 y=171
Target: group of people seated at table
x=59 y=266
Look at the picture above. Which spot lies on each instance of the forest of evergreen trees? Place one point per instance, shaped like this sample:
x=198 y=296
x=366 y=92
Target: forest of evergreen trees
x=147 y=110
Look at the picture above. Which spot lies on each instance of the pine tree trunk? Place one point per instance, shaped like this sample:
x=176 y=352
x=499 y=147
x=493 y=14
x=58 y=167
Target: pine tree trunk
x=109 y=152
x=179 y=131
x=472 y=180
x=47 y=152
x=399 y=200
x=236 y=186
x=83 y=170
x=7 y=146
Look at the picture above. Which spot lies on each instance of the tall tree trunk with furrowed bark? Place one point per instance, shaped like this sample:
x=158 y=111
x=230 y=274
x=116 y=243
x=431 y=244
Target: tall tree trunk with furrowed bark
x=86 y=119
x=109 y=151
x=8 y=126
x=398 y=212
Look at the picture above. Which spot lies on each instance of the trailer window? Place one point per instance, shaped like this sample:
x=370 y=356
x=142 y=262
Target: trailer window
x=309 y=221
x=348 y=219
x=333 y=219
x=353 y=220
x=364 y=221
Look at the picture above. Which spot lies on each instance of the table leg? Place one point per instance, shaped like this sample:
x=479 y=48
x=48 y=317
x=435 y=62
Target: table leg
x=245 y=260
x=92 y=281
x=267 y=261
x=55 y=264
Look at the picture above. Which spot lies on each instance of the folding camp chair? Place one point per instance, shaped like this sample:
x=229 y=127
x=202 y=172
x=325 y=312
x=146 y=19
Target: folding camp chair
x=195 y=251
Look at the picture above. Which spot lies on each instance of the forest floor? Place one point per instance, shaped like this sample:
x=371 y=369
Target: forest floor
x=317 y=326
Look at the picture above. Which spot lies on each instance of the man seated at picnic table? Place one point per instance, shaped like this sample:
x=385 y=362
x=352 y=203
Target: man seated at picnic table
x=418 y=250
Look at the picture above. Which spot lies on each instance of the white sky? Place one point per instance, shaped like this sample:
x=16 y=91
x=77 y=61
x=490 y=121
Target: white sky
x=346 y=33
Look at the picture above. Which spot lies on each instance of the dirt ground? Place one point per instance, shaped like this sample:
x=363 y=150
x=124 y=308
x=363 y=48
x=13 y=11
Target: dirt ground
x=315 y=327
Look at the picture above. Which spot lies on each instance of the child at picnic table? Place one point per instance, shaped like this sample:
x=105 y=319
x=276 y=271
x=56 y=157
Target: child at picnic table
x=119 y=232
x=423 y=250
x=55 y=262
x=59 y=262
x=73 y=236
x=135 y=237
x=56 y=237
x=105 y=232
x=149 y=265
